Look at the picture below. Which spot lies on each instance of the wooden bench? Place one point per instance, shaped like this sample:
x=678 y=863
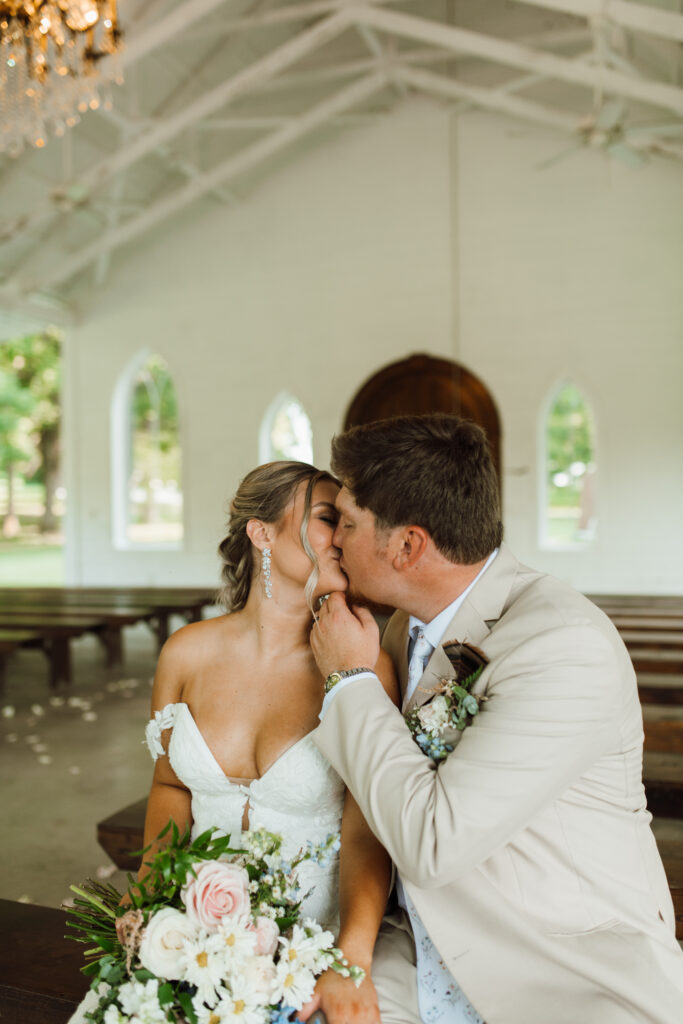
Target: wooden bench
x=660 y=688
x=40 y=970
x=52 y=638
x=121 y=835
x=162 y=601
x=55 y=615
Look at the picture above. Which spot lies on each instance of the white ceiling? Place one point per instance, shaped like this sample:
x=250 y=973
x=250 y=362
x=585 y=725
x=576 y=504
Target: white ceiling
x=215 y=90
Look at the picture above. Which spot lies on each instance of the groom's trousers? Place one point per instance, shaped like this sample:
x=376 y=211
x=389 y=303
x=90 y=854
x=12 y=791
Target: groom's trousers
x=394 y=971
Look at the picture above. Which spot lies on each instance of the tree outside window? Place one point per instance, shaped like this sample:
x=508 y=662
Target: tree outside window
x=155 y=499
x=570 y=470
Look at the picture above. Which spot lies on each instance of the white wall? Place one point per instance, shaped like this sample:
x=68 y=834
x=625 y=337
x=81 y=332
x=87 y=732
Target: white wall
x=576 y=270
x=418 y=233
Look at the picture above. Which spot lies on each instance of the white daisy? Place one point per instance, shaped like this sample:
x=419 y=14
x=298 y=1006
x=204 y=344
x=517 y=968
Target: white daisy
x=239 y=1006
x=302 y=948
x=295 y=983
x=201 y=963
x=235 y=940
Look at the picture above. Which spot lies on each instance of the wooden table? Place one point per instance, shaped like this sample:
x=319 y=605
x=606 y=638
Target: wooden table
x=40 y=970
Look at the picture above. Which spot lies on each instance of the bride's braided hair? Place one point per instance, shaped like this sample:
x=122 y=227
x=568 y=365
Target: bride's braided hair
x=263 y=494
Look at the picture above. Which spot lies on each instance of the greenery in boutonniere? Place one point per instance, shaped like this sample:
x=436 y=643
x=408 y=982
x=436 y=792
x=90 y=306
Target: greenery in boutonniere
x=453 y=705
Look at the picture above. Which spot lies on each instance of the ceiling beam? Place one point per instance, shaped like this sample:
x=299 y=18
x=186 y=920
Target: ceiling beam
x=275 y=16
x=637 y=17
x=159 y=31
x=492 y=99
x=153 y=138
x=501 y=51
x=247 y=159
x=227 y=92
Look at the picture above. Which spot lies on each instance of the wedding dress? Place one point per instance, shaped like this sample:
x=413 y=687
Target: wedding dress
x=300 y=796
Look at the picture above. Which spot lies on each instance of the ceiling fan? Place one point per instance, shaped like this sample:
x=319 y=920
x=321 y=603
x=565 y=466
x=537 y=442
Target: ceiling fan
x=607 y=129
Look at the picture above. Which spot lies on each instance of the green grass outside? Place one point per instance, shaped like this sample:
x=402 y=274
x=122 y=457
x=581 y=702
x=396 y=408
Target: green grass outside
x=31 y=565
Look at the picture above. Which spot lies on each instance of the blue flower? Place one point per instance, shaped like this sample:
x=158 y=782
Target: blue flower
x=282 y=1015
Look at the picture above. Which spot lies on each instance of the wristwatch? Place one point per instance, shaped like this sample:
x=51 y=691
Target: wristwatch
x=336 y=677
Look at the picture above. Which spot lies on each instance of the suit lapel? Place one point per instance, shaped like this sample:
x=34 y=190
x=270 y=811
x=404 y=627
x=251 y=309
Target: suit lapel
x=472 y=622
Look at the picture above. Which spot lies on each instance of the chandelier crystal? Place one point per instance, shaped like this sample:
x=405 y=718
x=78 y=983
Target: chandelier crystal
x=50 y=51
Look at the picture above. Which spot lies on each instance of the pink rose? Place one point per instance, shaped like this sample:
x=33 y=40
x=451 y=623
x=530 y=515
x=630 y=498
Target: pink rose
x=267 y=933
x=219 y=890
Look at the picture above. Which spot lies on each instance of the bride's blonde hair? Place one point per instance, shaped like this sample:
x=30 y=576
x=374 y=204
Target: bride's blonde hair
x=264 y=494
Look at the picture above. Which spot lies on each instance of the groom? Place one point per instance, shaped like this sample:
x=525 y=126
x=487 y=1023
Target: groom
x=529 y=886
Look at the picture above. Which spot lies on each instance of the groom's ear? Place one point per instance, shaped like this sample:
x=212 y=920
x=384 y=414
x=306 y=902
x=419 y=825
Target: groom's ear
x=412 y=543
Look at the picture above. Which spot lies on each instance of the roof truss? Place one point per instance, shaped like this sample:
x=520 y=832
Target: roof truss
x=398 y=49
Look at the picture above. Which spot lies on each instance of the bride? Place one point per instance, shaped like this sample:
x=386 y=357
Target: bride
x=236 y=699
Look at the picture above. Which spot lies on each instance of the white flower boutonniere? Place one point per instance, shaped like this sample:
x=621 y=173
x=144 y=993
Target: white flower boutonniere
x=453 y=706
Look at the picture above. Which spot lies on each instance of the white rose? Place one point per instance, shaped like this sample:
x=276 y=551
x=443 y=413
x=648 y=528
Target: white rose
x=434 y=716
x=163 y=941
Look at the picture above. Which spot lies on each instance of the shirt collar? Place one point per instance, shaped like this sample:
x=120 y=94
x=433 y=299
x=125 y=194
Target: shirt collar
x=433 y=631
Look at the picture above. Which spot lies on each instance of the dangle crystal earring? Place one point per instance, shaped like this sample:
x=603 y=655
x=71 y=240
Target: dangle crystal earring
x=265 y=565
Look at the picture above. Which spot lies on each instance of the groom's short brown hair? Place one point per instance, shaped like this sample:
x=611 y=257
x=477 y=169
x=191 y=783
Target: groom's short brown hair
x=433 y=471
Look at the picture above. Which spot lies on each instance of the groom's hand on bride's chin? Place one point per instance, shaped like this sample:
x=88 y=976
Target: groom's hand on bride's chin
x=342 y=1002
x=343 y=637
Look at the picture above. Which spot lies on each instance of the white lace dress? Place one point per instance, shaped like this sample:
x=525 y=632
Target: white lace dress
x=300 y=796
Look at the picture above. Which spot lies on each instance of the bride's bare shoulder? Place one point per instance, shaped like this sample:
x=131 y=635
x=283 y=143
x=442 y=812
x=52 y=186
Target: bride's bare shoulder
x=186 y=650
x=199 y=639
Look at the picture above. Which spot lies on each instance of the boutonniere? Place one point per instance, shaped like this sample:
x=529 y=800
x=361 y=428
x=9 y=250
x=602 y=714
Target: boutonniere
x=452 y=705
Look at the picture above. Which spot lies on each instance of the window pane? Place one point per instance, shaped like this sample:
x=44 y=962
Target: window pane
x=155 y=499
x=570 y=514
x=290 y=435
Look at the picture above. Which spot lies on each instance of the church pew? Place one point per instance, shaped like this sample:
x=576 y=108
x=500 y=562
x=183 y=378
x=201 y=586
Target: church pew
x=649 y=623
x=52 y=638
x=40 y=970
x=663 y=729
x=106 y=623
x=649 y=661
x=121 y=835
x=164 y=602
x=10 y=639
x=649 y=601
x=663 y=779
x=658 y=688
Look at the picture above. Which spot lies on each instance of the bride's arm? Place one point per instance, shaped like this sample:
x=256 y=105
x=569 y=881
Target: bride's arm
x=364 y=882
x=168 y=799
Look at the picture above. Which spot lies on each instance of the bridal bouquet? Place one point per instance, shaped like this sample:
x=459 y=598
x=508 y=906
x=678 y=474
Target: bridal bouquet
x=211 y=935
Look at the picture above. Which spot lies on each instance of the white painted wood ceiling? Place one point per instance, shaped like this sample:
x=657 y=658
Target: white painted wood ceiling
x=218 y=90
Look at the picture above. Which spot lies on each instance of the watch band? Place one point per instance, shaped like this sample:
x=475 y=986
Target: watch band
x=336 y=677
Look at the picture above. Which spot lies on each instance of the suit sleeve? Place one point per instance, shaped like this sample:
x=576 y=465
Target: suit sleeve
x=553 y=710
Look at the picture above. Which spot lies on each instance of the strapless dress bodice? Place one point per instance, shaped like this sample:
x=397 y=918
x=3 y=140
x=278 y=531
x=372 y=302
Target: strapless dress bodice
x=300 y=797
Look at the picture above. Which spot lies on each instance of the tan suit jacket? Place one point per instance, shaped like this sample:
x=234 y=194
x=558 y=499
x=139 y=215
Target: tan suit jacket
x=528 y=853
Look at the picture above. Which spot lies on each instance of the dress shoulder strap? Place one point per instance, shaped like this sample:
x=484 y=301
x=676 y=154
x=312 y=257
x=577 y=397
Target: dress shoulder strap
x=164 y=719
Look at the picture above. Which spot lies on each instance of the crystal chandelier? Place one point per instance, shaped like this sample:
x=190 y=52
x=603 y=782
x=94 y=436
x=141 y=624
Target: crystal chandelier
x=49 y=75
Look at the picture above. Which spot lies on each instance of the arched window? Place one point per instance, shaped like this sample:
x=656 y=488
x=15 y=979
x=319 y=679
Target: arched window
x=286 y=431
x=568 y=513
x=148 y=497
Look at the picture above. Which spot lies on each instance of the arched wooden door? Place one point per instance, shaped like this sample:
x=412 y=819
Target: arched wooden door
x=422 y=384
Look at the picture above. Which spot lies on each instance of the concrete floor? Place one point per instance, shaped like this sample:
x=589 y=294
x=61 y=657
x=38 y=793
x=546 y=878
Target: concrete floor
x=67 y=760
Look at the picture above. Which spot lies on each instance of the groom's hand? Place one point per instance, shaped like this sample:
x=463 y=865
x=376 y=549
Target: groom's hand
x=343 y=637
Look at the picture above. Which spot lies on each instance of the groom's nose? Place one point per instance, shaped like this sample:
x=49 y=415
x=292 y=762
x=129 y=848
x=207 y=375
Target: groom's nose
x=337 y=537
